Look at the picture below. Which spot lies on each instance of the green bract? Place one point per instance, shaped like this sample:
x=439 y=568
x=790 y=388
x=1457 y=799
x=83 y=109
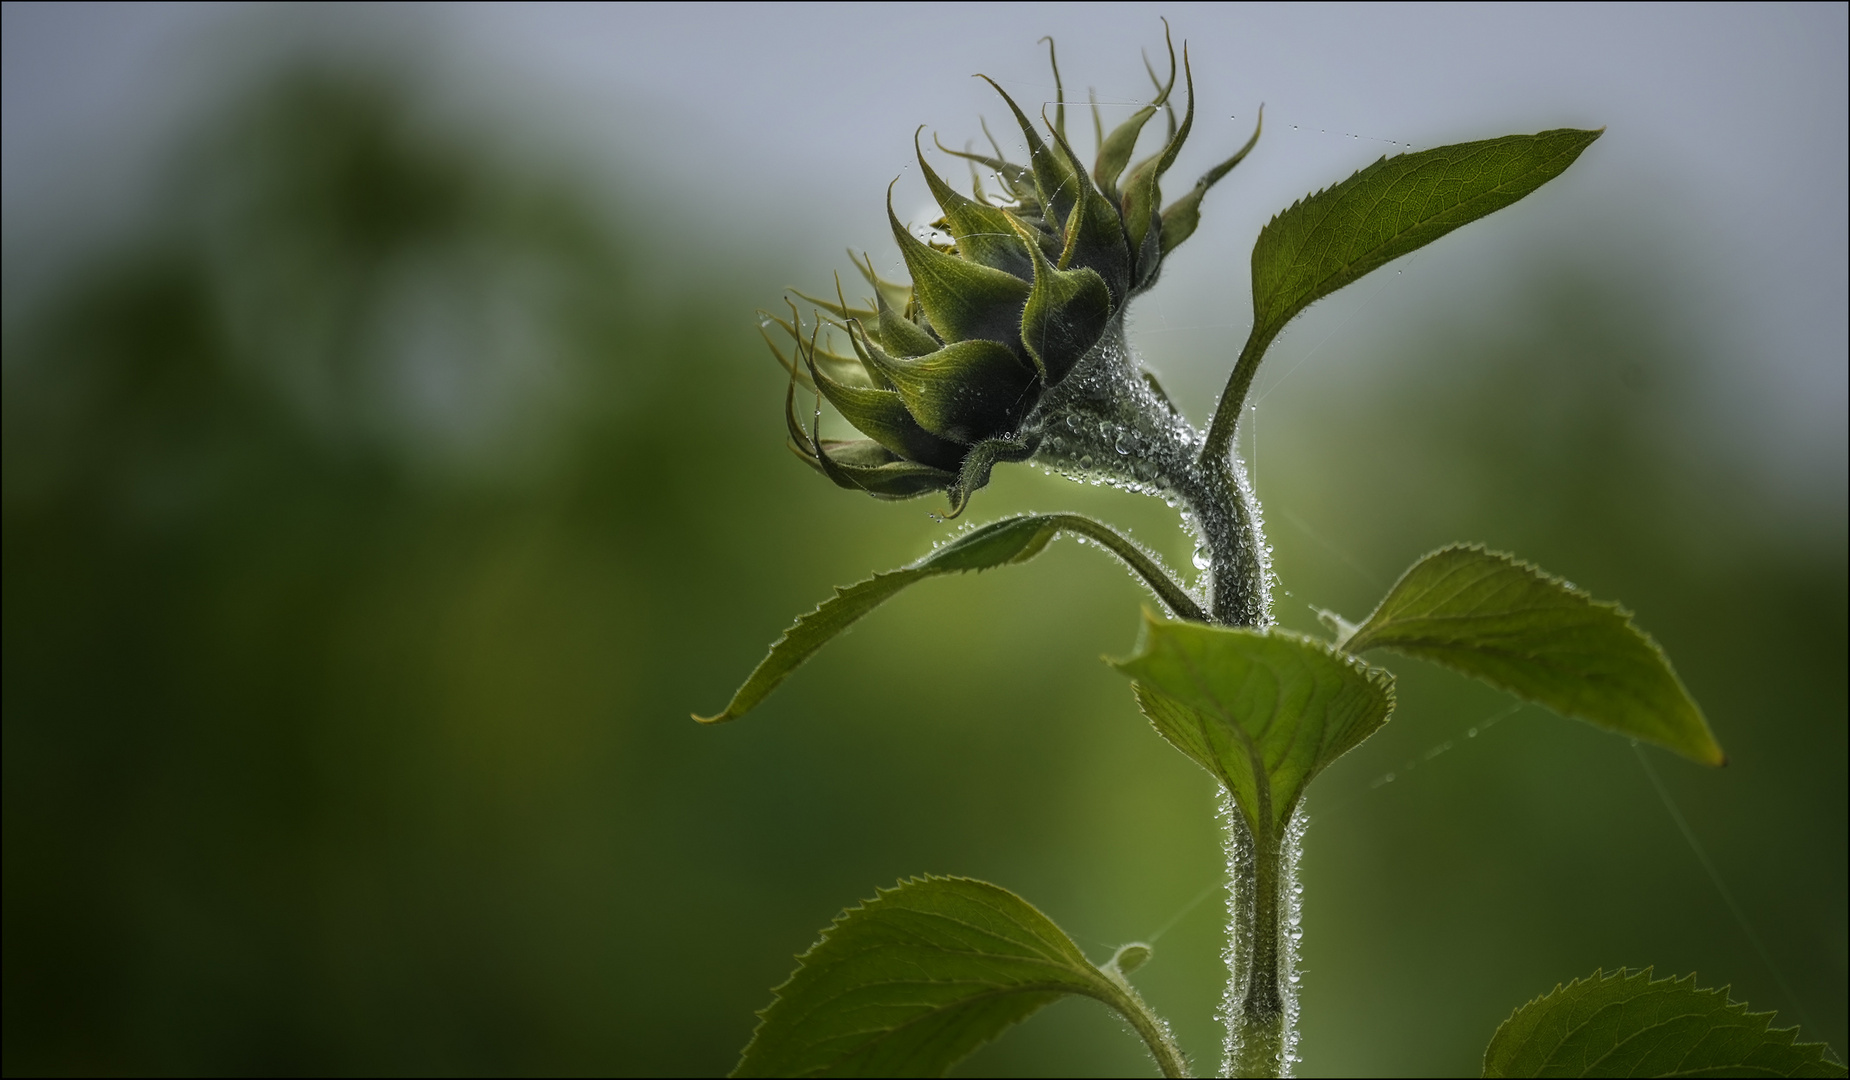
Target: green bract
x=1008 y=298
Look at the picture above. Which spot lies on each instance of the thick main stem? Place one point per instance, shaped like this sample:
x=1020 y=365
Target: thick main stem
x=1106 y=422
x=1259 y=1006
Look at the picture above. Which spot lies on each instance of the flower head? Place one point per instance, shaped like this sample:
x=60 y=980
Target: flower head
x=1008 y=297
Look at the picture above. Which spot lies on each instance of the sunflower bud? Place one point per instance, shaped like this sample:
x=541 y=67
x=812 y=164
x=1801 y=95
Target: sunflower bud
x=945 y=375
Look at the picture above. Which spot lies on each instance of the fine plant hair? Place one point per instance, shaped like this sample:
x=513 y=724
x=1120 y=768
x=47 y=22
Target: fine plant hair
x=1008 y=345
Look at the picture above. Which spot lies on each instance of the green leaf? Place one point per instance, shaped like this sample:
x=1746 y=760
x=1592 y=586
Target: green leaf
x=1392 y=208
x=1487 y=615
x=1626 y=1024
x=912 y=981
x=1001 y=543
x=1263 y=710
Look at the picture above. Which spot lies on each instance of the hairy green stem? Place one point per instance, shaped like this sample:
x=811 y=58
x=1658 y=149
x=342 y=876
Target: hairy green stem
x=1219 y=442
x=1256 y=1005
x=1173 y=596
x=1105 y=422
x=1150 y=1027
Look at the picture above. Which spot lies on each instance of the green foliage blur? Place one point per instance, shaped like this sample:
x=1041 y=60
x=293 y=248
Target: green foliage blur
x=375 y=518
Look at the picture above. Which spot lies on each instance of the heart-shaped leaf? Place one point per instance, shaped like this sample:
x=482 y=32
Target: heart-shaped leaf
x=1489 y=616
x=1263 y=710
x=909 y=983
x=1626 y=1024
x=1011 y=540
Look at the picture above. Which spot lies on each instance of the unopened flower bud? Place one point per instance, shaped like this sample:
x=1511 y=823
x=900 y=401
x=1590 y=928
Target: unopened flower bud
x=942 y=375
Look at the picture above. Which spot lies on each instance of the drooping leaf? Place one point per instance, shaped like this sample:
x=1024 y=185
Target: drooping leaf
x=1263 y=710
x=1489 y=616
x=1627 y=1024
x=1391 y=208
x=1011 y=540
x=911 y=982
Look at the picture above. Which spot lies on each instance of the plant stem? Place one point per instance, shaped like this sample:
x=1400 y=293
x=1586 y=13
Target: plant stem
x=1256 y=1006
x=1104 y=422
x=1154 y=1032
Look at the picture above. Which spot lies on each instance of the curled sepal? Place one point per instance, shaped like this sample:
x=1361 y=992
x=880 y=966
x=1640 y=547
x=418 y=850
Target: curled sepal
x=1053 y=175
x=1184 y=215
x=863 y=464
x=973 y=476
x=982 y=232
x=882 y=414
x=1115 y=152
x=1115 y=149
x=833 y=307
x=899 y=335
x=1143 y=192
x=966 y=391
x=1011 y=176
x=1094 y=236
x=1064 y=317
x=963 y=300
x=897 y=296
x=843 y=369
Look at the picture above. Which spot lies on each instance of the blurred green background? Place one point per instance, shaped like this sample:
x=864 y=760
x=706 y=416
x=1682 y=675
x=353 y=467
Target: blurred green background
x=377 y=509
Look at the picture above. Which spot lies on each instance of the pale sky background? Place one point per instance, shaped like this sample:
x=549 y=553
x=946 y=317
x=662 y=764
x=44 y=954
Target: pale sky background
x=1719 y=189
